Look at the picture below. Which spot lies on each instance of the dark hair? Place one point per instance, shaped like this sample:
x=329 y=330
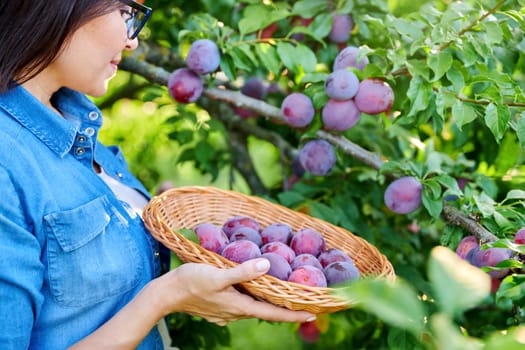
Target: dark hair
x=33 y=32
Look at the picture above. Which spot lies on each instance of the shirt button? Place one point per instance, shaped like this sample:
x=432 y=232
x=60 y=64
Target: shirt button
x=81 y=139
x=90 y=131
x=80 y=151
x=120 y=175
x=93 y=115
x=157 y=254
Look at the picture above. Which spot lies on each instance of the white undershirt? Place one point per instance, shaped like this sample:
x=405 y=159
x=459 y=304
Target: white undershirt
x=126 y=194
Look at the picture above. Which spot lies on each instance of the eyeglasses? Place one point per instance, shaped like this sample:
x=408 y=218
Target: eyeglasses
x=138 y=17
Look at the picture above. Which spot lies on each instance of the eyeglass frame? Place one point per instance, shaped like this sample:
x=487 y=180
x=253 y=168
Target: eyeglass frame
x=139 y=7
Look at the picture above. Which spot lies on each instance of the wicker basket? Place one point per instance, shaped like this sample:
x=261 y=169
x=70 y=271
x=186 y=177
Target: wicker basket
x=186 y=207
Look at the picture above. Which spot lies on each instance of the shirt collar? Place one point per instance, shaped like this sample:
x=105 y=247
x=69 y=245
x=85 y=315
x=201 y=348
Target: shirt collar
x=54 y=131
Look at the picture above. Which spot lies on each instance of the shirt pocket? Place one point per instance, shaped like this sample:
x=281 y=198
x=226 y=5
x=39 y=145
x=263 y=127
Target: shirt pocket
x=91 y=254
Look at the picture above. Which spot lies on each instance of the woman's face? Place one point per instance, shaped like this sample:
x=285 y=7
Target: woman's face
x=90 y=58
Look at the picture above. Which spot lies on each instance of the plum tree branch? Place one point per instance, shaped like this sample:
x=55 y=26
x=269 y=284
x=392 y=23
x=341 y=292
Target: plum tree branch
x=160 y=76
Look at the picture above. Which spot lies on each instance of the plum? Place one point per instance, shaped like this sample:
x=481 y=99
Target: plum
x=307 y=240
x=340 y=272
x=211 y=237
x=308 y=275
x=403 y=195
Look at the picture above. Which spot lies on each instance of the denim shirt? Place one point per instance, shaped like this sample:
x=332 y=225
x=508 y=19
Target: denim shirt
x=71 y=254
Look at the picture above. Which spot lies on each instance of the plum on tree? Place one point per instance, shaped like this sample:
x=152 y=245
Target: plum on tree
x=341 y=28
x=185 y=85
x=341 y=84
x=297 y=109
x=403 y=195
x=203 y=57
x=348 y=57
x=466 y=245
x=519 y=236
x=374 y=96
x=340 y=115
x=317 y=157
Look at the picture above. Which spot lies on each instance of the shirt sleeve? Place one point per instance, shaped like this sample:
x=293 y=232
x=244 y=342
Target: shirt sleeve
x=21 y=270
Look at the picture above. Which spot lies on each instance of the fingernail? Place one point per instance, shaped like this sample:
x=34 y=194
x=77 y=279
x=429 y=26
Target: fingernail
x=262 y=265
x=311 y=319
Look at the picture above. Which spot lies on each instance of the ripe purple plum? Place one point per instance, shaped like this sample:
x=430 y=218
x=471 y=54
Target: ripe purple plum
x=241 y=251
x=307 y=240
x=341 y=84
x=348 y=57
x=277 y=232
x=374 y=96
x=297 y=109
x=211 y=237
x=340 y=115
x=519 y=236
x=233 y=223
x=341 y=27
x=203 y=57
x=248 y=233
x=279 y=248
x=308 y=275
x=332 y=255
x=184 y=85
x=305 y=259
x=279 y=267
x=403 y=195
x=317 y=157
x=340 y=272
x=490 y=257
x=466 y=245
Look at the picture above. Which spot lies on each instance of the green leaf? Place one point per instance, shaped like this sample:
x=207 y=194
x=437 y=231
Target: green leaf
x=188 y=234
x=458 y=285
x=520 y=130
x=395 y=302
x=447 y=335
x=296 y=56
x=494 y=32
x=419 y=93
x=268 y=56
x=511 y=339
x=440 y=64
x=433 y=205
x=228 y=67
x=463 y=114
x=512 y=287
x=497 y=118
x=515 y=194
x=309 y=8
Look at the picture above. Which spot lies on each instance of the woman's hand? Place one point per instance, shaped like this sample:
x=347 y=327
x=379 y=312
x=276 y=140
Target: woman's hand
x=206 y=291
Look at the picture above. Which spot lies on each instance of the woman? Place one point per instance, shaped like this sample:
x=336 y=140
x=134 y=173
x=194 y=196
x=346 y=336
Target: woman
x=77 y=267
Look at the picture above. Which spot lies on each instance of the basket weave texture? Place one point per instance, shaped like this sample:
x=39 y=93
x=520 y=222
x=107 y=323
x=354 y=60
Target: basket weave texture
x=188 y=206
